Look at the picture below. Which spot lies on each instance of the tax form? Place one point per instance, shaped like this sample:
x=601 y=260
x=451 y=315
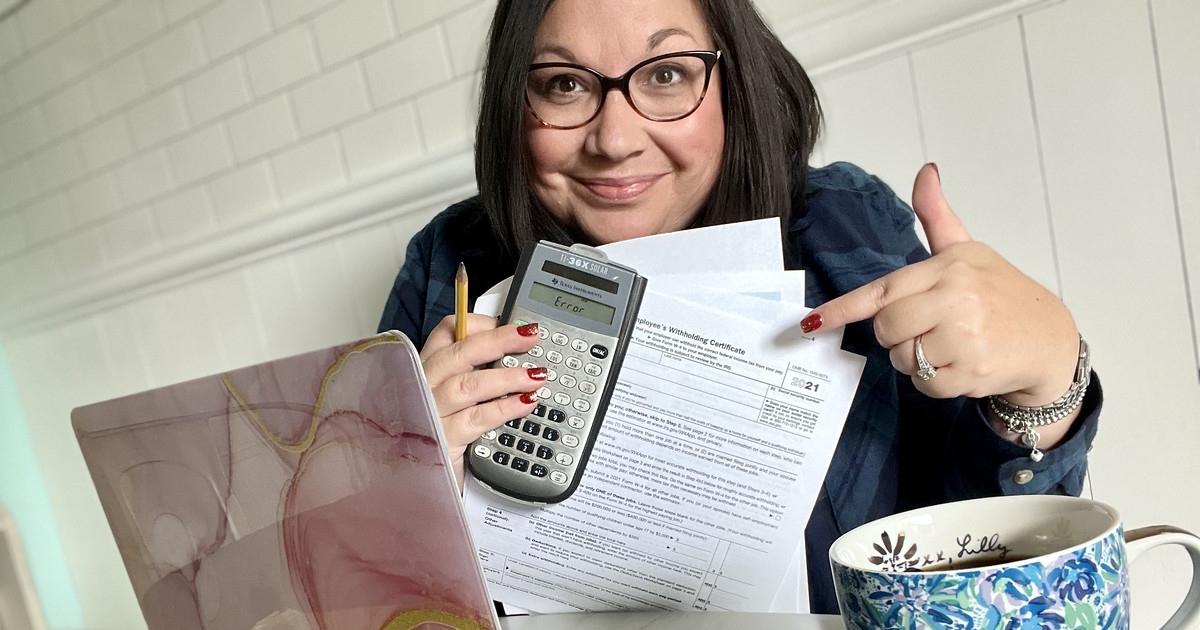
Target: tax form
x=710 y=458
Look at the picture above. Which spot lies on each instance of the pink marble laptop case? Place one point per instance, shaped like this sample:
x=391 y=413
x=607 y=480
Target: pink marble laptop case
x=308 y=493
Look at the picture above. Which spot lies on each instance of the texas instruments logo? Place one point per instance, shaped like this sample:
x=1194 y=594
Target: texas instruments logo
x=576 y=288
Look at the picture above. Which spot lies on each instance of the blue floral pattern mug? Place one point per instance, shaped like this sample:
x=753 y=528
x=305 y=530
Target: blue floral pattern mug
x=1017 y=563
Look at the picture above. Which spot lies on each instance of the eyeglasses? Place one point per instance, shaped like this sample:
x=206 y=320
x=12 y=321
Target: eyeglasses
x=663 y=88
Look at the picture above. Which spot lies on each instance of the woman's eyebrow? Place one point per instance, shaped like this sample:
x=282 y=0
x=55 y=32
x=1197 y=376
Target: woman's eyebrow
x=555 y=50
x=661 y=36
x=654 y=41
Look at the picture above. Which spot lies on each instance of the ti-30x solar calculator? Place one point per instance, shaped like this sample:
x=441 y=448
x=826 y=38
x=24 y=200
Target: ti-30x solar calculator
x=585 y=306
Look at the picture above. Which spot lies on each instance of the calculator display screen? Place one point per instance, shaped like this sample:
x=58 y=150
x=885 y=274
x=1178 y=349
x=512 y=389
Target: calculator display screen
x=570 y=303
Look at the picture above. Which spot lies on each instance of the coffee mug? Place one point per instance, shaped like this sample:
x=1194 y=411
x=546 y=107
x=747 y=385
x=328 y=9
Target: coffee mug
x=1003 y=562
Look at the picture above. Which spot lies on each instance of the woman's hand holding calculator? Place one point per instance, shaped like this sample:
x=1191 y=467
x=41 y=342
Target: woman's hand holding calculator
x=473 y=401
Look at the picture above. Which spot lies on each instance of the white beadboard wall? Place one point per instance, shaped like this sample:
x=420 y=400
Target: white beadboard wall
x=188 y=186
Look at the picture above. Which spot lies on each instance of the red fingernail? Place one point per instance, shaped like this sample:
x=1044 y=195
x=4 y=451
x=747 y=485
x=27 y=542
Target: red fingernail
x=529 y=398
x=528 y=330
x=811 y=323
x=538 y=373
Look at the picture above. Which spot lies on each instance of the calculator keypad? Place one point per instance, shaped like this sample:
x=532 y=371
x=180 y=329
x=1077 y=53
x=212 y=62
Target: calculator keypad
x=548 y=443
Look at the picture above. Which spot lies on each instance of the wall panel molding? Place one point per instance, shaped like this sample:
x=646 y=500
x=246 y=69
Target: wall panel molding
x=440 y=182
x=848 y=35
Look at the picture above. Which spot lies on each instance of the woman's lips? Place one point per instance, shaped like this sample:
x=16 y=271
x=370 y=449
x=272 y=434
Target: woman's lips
x=618 y=188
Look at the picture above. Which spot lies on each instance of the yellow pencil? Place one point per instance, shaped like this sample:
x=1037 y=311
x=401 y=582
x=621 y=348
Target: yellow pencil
x=460 y=303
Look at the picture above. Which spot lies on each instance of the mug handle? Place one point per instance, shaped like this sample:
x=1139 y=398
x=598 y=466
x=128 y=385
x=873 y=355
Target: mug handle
x=1142 y=539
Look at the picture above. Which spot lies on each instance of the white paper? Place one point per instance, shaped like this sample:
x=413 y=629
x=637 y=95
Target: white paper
x=777 y=286
x=792 y=596
x=728 y=288
x=746 y=246
x=704 y=474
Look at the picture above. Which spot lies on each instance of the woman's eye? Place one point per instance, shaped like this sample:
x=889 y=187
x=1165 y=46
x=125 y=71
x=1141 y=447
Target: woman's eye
x=563 y=84
x=667 y=74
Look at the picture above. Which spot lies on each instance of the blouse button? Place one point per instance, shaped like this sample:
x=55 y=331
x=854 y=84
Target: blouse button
x=1023 y=477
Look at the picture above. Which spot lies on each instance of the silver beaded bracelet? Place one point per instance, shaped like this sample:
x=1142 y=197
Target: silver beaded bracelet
x=1025 y=420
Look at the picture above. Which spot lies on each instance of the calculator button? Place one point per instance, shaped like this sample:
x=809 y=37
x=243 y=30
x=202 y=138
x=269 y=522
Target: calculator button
x=559 y=339
x=529 y=365
x=510 y=361
x=554 y=356
x=543 y=392
x=514 y=423
x=559 y=477
x=562 y=398
x=592 y=369
x=538 y=470
x=549 y=434
x=599 y=351
x=536 y=351
x=525 y=446
x=587 y=387
x=543 y=332
x=551 y=375
x=532 y=428
x=507 y=439
x=500 y=458
x=574 y=363
x=570 y=441
x=578 y=345
x=491 y=435
x=556 y=416
x=581 y=404
x=568 y=380
x=545 y=452
x=576 y=422
x=564 y=459
x=482 y=451
x=539 y=411
x=520 y=464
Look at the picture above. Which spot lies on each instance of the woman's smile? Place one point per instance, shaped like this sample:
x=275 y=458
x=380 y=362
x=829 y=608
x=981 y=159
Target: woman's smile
x=618 y=189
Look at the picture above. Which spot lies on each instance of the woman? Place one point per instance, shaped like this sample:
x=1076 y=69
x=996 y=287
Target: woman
x=966 y=356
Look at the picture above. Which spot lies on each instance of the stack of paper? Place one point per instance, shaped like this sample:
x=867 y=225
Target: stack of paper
x=712 y=452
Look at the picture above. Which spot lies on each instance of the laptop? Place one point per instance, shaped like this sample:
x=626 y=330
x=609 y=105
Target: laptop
x=306 y=493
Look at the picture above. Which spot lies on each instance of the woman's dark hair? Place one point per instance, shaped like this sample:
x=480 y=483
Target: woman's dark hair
x=772 y=119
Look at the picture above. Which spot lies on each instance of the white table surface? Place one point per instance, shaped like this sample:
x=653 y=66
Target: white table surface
x=674 y=621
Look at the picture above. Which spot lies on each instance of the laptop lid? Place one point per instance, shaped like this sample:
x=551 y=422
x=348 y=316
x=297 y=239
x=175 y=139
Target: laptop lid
x=307 y=493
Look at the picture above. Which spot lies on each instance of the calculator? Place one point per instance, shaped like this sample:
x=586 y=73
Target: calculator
x=585 y=306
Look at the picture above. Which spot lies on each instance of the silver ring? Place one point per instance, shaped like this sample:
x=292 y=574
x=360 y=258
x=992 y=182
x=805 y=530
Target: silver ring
x=925 y=370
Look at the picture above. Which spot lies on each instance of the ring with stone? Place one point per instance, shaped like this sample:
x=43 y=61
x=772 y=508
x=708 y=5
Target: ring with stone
x=925 y=370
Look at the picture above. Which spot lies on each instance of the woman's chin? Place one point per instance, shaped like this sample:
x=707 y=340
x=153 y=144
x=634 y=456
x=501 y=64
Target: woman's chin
x=612 y=236
x=605 y=232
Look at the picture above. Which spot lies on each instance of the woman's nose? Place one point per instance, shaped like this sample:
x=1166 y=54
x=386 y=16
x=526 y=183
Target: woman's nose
x=618 y=130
